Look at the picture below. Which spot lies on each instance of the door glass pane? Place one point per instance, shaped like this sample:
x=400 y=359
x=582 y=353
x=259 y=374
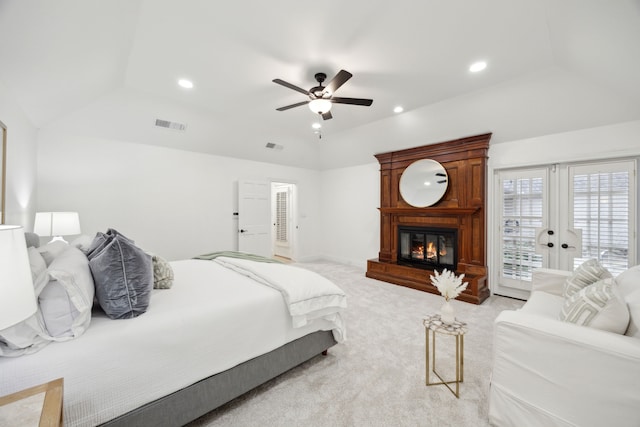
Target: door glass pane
x=522 y=213
x=602 y=209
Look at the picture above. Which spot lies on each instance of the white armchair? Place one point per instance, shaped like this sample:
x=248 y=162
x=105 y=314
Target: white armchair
x=547 y=372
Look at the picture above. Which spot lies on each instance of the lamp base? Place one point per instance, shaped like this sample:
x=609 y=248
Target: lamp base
x=58 y=239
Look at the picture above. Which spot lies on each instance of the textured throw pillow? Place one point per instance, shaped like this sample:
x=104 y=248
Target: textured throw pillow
x=586 y=274
x=162 y=273
x=123 y=275
x=599 y=306
x=66 y=300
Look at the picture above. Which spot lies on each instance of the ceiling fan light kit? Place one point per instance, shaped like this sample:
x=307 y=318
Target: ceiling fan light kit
x=321 y=97
x=320 y=106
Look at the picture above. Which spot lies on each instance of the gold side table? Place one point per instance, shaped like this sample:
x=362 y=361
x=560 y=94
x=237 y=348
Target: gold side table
x=433 y=325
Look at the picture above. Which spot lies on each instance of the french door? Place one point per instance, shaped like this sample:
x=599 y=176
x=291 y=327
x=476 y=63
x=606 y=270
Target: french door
x=558 y=216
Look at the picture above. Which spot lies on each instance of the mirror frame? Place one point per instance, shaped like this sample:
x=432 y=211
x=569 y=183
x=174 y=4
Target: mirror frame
x=421 y=183
x=3 y=170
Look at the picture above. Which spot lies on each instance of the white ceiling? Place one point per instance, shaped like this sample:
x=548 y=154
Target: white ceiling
x=108 y=69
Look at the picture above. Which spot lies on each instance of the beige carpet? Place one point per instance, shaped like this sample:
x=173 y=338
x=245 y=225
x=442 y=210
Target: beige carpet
x=377 y=376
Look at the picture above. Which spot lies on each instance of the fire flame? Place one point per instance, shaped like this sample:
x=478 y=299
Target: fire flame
x=419 y=253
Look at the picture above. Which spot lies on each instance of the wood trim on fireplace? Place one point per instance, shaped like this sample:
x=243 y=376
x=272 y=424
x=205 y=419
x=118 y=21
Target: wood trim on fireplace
x=462 y=207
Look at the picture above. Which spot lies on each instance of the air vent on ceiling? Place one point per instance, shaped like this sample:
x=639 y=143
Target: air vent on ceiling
x=274 y=146
x=171 y=125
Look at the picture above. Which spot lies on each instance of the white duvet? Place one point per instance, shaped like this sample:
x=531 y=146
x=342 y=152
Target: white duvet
x=211 y=320
x=307 y=294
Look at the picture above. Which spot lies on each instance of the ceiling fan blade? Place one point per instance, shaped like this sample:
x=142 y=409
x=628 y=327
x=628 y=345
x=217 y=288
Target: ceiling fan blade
x=292 y=105
x=327 y=116
x=290 y=86
x=352 y=101
x=338 y=81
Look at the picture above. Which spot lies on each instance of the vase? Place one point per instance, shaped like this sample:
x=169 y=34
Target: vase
x=447 y=314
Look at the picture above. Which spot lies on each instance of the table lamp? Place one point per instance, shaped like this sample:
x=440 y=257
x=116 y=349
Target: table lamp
x=17 y=298
x=57 y=224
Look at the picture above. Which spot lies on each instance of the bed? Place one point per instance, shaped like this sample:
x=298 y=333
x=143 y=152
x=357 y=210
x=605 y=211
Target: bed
x=220 y=331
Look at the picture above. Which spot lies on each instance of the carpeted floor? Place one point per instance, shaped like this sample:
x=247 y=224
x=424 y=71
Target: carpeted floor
x=377 y=376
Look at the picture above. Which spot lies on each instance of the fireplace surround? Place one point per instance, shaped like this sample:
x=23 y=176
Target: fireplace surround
x=462 y=208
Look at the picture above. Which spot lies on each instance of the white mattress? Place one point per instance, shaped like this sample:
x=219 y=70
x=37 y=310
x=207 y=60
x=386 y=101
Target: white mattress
x=211 y=320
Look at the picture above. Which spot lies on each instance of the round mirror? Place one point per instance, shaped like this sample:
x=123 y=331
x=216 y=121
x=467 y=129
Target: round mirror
x=423 y=183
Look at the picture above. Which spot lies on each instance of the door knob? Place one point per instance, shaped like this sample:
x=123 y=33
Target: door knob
x=242 y=231
x=550 y=232
x=564 y=246
x=550 y=244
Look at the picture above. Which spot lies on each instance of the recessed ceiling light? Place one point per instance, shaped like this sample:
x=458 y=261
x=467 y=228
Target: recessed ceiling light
x=477 y=66
x=187 y=84
x=316 y=125
x=398 y=109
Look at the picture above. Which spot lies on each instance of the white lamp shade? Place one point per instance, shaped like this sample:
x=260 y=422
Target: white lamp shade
x=17 y=298
x=320 y=106
x=57 y=223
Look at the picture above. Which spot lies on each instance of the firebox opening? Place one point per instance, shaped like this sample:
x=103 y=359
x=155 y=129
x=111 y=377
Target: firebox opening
x=428 y=248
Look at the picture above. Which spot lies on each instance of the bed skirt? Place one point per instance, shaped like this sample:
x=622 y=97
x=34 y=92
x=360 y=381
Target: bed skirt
x=190 y=403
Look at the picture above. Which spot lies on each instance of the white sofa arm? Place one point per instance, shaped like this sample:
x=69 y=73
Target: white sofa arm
x=552 y=373
x=549 y=280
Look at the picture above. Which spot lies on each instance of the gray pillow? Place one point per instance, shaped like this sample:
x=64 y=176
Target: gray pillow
x=33 y=240
x=123 y=275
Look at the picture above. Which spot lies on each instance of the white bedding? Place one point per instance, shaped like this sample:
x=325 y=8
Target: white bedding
x=208 y=325
x=308 y=295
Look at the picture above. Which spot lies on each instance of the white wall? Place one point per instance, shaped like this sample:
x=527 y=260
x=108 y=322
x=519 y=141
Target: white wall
x=351 y=195
x=178 y=203
x=350 y=216
x=172 y=202
x=21 y=161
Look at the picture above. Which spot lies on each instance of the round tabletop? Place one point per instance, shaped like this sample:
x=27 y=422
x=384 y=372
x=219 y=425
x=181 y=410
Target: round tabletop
x=434 y=323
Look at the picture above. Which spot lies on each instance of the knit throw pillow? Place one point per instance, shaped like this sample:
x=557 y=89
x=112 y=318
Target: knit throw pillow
x=586 y=274
x=162 y=273
x=599 y=306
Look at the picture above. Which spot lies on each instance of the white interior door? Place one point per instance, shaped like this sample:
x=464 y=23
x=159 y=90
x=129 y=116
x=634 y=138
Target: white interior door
x=254 y=217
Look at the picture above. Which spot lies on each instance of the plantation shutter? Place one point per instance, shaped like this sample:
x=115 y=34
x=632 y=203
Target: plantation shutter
x=281 y=216
x=602 y=200
x=524 y=202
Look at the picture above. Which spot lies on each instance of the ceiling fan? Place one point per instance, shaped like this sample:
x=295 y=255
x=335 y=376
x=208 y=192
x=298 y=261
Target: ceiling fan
x=321 y=97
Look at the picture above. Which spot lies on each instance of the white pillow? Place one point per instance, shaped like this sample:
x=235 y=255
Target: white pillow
x=51 y=250
x=629 y=280
x=66 y=301
x=599 y=306
x=633 y=304
x=587 y=273
x=29 y=335
x=82 y=242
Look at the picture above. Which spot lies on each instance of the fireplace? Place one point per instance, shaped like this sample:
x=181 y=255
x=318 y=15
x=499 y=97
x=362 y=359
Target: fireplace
x=459 y=216
x=428 y=248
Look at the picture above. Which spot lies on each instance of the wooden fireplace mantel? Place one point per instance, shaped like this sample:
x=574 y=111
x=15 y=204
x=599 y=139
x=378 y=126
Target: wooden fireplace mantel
x=463 y=207
x=429 y=212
